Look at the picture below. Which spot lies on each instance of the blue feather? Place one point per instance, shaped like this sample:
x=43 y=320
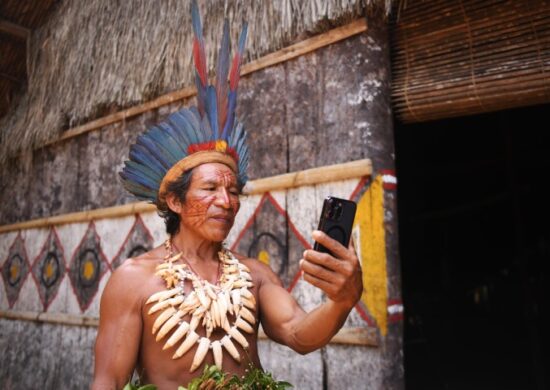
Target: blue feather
x=140 y=154
x=196 y=20
x=242 y=38
x=235 y=134
x=175 y=138
x=232 y=104
x=212 y=109
x=182 y=126
x=201 y=92
x=165 y=142
x=221 y=76
x=137 y=177
x=193 y=116
x=144 y=170
x=138 y=190
x=155 y=151
x=207 y=130
x=194 y=120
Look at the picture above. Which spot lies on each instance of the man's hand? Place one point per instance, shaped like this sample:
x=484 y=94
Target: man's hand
x=338 y=275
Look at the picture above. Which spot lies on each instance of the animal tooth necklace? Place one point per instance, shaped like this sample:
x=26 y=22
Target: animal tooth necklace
x=209 y=305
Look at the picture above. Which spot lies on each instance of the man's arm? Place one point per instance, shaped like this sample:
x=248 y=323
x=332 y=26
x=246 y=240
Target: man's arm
x=339 y=276
x=120 y=326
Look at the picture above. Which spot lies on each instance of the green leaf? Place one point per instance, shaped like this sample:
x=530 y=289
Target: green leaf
x=148 y=387
x=129 y=386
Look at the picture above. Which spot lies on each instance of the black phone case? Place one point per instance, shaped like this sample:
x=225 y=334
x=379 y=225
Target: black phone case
x=337 y=225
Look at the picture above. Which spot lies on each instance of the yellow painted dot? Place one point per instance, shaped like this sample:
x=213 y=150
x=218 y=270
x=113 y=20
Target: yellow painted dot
x=221 y=146
x=263 y=256
x=88 y=271
x=14 y=271
x=49 y=270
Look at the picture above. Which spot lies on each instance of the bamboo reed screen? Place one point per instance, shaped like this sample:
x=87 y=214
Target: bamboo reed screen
x=454 y=58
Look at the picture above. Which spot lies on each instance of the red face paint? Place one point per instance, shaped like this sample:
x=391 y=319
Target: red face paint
x=212 y=200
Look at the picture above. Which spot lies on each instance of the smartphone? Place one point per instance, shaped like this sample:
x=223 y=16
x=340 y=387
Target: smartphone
x=336 y=221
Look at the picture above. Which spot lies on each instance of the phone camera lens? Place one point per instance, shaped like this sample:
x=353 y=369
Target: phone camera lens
x=338 y=211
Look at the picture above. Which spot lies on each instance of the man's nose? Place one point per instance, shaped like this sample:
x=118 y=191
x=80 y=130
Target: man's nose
x=223 y=198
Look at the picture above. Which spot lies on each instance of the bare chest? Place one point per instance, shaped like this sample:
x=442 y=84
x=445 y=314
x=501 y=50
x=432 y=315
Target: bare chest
x=185 y=330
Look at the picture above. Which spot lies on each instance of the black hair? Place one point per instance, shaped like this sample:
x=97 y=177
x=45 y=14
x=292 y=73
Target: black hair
x=179 y=187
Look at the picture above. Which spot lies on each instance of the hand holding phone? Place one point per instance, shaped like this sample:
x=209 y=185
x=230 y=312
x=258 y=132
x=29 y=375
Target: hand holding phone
x=336 y=221
x=337 y=271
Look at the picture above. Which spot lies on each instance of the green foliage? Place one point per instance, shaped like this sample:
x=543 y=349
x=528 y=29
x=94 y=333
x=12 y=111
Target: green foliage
x=255 y=379
x=213 y=378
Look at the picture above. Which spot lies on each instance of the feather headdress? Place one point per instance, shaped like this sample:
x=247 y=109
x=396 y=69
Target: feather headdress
x=196 y=135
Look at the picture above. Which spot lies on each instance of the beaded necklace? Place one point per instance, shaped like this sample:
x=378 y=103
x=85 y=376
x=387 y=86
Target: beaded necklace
x=210 y=305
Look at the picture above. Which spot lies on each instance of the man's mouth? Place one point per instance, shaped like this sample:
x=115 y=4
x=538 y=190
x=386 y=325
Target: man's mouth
x=223 y=218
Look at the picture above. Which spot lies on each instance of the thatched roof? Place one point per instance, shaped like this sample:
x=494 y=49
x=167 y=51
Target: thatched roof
x=94 y=56
x=17 y=20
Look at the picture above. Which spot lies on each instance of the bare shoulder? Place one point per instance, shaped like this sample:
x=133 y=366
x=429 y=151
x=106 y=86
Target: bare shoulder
x=259 y=271
x=133 y=276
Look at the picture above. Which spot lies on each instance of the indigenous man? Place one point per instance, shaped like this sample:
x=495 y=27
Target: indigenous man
x=191 y=302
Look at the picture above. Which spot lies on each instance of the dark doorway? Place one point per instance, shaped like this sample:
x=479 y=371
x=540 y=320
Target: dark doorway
x=474 y=225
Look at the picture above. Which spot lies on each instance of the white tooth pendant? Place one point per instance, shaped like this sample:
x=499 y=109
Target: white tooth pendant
x=230 y=347
x=177 y=335
x=247 y=315
x=234 y=332
x=200 y=354
x=190 y=340
x=218 y=354
x=242 y=324
x=162 y=318
x=168 y=302
x=227 y=305
x=162 y=295
x=168 y=326
x=236 y=299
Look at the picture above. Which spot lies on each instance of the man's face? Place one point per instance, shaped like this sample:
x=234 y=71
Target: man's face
x=212 y=201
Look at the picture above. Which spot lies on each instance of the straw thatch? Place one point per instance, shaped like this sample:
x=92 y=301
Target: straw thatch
x=94 y=56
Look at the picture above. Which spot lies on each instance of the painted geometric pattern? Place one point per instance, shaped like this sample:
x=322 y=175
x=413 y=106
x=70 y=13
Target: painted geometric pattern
x=138 y=241
x=15 y=270
x=88 y=265
x=274 y=228
x=49 y=269
x=271 y=237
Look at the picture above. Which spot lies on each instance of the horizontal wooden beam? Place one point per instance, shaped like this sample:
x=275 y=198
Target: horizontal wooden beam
x=346 y=336
x=14 y=30
x=266 y=61
x=50 y=318
x=306 y=46
x=81 y=216
x=312 y=176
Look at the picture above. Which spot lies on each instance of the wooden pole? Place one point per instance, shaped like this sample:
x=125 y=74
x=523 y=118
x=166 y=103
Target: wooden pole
x=346 y=336
x=312 y=176
x=266 y=61
x=50 y=318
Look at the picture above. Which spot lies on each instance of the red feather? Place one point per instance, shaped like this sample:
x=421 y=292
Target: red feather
x=200 y=60
x=235 y=73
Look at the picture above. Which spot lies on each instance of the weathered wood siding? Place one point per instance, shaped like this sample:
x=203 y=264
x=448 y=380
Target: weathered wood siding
x=326 y=107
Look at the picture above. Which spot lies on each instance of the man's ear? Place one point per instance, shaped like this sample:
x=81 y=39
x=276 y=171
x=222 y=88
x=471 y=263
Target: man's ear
x=173 y=203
